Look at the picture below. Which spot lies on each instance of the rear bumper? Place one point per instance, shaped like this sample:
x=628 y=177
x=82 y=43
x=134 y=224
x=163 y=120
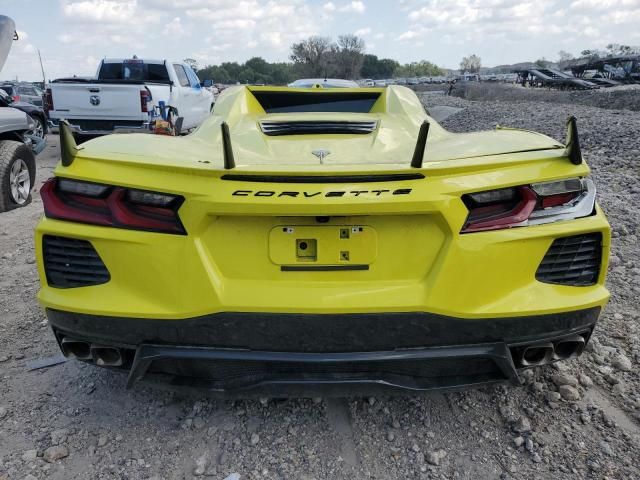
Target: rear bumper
x=294 y=354
x=102 y=127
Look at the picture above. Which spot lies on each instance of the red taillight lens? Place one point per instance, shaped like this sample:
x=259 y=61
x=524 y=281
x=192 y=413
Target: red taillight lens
x=112 y=206
x=48 y=99
x=528 y=204
x=499 y=208
x=16 y=98
x=144 y=98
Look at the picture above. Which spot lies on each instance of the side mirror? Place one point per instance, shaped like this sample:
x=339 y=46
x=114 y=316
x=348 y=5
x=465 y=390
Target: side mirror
x=207 y=83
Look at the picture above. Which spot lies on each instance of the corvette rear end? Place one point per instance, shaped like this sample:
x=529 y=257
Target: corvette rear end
x=309 y=239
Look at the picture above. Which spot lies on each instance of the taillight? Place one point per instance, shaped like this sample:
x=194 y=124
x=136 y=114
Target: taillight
x=16 y=98
x=529 y=204
x=145 y=96
x=112 y=206
x=48 y=99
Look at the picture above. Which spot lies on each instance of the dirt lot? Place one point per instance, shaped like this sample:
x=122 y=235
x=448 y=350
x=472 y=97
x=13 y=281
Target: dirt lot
x=75 y=421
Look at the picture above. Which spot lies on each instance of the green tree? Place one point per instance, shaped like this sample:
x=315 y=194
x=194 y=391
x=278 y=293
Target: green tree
x=193 y=63
x=312 y=56
x=373 y=67
x=471 y=64
x=422 y=68
x=564 y=56
x=542 y=63
x=349 y=56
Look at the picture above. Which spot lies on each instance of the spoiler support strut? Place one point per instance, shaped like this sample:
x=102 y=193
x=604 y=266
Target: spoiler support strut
x=572 y=150
x=68 y=147
x=227 y=150
x=421 y=143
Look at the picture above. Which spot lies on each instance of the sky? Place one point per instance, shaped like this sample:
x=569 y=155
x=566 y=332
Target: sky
x=73 y=35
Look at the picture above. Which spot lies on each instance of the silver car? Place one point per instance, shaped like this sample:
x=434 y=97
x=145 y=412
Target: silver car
x=23 y=92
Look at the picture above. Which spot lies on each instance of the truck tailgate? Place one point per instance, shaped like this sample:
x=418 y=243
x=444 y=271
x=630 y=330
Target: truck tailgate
x=97 y=101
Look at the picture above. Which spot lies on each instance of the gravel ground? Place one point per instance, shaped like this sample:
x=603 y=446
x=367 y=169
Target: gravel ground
x=579 y=419
x=621 y=97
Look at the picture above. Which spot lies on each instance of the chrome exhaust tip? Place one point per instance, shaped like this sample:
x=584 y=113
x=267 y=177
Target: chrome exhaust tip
x=72 y=348
x=106 y=356
x=569 y=347
x=539 y=354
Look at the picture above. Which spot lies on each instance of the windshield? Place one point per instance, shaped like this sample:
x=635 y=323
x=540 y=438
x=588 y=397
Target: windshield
x=324 y=83
x=134 y=70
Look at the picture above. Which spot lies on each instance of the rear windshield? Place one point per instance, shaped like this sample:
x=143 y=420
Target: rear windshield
x=7 y=88
x=289 y=102
x=139 y=71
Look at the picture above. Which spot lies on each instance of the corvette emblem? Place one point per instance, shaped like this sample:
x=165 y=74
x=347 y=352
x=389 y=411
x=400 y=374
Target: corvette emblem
x=321 y=154
x=94 y=100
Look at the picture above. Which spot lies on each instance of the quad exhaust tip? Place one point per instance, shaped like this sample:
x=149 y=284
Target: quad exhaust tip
x=106 y=356
x=72 y=348
x=569 y=347
x=537 y=354
x=543 y=353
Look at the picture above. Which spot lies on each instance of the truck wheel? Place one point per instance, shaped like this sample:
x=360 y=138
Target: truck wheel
x=17 y=174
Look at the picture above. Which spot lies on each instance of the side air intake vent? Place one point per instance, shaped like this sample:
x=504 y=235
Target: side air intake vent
x=316 y=127
x=572 y=261
x=72 y=263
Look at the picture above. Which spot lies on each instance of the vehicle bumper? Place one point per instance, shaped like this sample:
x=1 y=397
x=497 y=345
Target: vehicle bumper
x=295 y=354
x=129 y=127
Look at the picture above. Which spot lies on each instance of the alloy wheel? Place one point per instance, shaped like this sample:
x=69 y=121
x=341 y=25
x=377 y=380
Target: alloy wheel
x=19 y=182
x=38 y=129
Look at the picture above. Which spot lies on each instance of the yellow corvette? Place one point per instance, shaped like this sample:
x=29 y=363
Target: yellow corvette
x=322 y=237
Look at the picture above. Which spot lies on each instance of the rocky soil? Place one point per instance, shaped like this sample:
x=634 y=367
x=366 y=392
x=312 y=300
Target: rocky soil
x=579 y=419
x=621 y=97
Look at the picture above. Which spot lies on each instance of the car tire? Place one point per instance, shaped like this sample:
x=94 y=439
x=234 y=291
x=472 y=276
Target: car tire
x=40 y=128
x=17 y=174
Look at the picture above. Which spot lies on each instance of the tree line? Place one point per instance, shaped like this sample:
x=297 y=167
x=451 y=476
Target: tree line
x=316 y=57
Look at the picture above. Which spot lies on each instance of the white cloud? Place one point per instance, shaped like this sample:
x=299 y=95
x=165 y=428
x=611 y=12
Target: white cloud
x=110 y=11
x=361 y=32
x=329 y=7
x=355 y=6
x=175 y=29
x=408 y=35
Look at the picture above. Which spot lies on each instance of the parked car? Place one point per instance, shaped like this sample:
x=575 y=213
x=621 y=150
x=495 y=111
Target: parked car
x=124 y=93
x=24 y=92
x=367 y=82
x=335 y=238
x=17 y=146
x=380 y=83
x=36 y=113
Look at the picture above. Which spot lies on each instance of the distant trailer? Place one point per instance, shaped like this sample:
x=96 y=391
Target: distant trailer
x=551 y=78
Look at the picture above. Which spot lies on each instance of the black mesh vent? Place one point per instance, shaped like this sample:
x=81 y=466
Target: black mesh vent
x=306 y=127
x=572 y=261
x=72 y=263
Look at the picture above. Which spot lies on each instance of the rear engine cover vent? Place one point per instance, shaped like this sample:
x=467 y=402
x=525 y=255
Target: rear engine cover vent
x=72 y=263
x=572 y=261
x=307 y=127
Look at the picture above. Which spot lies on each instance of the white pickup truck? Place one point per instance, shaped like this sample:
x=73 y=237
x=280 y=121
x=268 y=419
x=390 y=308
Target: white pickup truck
x=123 y=96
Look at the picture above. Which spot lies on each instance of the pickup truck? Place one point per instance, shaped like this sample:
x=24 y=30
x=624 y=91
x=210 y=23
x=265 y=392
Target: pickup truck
x=123 y=95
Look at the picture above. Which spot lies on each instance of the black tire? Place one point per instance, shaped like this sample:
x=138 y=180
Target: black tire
x=12 y=152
